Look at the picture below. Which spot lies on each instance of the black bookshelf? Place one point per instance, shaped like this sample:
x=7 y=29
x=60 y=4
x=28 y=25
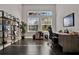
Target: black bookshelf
x=9 y=28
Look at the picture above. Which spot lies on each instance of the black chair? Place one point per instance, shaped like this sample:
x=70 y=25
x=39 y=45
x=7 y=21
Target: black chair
x=53 y=36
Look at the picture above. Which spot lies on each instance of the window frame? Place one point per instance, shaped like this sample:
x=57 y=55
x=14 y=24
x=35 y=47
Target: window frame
x=39 y=14
x=32 y=24
x=46 y=24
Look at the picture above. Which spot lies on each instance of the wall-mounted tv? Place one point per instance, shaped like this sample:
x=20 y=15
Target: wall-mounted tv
x=69 y=20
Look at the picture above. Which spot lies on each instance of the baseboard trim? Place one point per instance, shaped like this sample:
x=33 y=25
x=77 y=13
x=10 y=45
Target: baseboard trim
x=28 y=37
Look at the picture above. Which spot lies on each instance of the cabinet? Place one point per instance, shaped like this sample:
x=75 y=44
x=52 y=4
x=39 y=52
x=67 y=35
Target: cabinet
x=70 y=43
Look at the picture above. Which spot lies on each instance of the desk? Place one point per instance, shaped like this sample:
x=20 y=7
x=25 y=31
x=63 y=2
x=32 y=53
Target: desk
x=70 y=43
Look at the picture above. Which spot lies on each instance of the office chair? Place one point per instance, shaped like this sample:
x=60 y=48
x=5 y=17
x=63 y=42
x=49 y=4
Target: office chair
x=53 y=36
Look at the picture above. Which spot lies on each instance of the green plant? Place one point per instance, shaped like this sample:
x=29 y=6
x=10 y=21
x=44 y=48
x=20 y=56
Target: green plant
x=60 y=31
x=23 y=27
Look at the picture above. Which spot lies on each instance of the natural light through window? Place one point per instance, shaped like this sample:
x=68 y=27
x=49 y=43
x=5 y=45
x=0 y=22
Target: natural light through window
x=39 y=20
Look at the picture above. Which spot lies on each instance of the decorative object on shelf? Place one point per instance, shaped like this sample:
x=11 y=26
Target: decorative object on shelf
x=23 y=28
x=60 y=31
x=14 y=18
x=66 y=31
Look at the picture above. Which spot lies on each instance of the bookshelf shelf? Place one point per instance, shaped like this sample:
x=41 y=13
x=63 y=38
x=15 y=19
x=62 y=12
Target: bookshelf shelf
x=8 y=29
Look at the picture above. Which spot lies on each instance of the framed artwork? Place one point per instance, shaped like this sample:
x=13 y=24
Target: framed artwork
x=69 y=20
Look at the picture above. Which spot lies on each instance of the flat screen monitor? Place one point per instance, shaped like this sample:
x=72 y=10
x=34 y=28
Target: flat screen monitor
x=69 y=20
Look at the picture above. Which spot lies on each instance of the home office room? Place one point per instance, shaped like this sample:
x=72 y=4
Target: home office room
x=39 y=28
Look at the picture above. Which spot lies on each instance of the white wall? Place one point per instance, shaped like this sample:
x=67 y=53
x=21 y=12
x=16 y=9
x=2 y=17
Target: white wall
x=63 y=10
x=37 y=7
x=59 y=10
x=14 y=9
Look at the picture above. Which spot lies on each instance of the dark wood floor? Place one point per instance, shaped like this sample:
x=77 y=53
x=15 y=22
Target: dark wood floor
x=32 y=47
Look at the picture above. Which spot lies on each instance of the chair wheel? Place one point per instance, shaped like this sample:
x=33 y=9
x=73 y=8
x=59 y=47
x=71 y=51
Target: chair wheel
x=47 y=43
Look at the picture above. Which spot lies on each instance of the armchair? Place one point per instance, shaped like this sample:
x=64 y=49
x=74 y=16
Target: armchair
x=38 y=35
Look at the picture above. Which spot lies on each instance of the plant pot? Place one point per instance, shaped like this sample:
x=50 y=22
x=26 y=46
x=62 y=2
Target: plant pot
x=4 y=42
x=22 y=37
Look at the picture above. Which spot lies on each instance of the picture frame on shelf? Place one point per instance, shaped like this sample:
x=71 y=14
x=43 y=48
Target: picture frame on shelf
x=0 y=13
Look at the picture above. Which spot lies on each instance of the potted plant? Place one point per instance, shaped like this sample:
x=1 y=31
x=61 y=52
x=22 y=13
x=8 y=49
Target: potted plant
x=60 y=31
x=23 y=28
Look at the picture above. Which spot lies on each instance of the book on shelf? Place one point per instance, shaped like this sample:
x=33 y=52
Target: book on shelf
x=0 y=20
x=0 y=27
x=0 y=34
x=5 y=34
x=6 y=27
x=0 y=13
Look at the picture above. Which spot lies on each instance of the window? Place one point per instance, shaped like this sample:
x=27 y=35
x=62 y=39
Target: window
x=33 y=23
x=46 y=22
